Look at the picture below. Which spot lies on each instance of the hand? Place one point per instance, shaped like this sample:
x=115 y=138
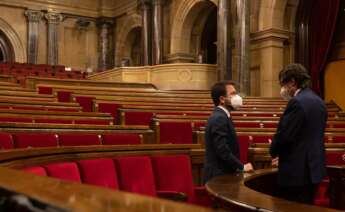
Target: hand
x=270 y=141
x=343 y=157
x=275 y=162
x=248 y=167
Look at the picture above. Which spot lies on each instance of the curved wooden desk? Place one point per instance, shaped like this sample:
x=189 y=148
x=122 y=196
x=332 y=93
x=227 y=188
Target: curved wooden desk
x=251 y=192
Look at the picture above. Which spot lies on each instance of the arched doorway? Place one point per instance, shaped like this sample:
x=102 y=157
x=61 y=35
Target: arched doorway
x=194 y=32
x=133 y=50
x=209 y=39
x=6 y=49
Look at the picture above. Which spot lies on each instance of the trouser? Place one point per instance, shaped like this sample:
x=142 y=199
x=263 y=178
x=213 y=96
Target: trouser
x=302 y=194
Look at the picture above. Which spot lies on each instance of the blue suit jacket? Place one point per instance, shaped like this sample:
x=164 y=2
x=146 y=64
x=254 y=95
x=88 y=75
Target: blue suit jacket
x=299 y=141
x=222 y=149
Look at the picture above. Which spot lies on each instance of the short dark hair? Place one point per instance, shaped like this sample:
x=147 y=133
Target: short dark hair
x=219 y=89
x=295 y=72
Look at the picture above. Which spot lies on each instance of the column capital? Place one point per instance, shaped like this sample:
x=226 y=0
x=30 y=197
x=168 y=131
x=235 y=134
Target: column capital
x=145 y=4
x=105 y=21
x=158 y=2
x=53 y=18
x=33 y=15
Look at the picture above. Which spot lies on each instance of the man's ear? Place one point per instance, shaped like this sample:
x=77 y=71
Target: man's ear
x=222 y=100
x=293 y=82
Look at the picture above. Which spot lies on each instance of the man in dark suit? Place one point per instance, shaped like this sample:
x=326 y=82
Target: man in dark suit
x=298 y=142
x=222 y=149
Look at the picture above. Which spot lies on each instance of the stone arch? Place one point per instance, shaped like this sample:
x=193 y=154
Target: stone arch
x=19 y=50
x=183 y=21
x=271 y=14
x=6 y=49
x=130 y=23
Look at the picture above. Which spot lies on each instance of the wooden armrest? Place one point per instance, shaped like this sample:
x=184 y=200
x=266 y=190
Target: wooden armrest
x=172 y=195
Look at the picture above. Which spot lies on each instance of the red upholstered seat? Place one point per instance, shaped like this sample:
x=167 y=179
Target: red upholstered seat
x=24 y=140
x=244 y=142
x=54 y=121
x=6 y=141
x=79 y=139
x=28 y=107
x=64 y=109
x=198 y=124
x=37 y=170
x=85 y=102
x=247 y=124
x=176 y=132
x=339 y=125
x=93 y=121
x=337 y=139
x=64 y=96
x=121 y=138
x=335 y=158
x=109 y=108
x=136 y=175
x=138 y=118
x=45 y=90
x=321 y=196
x=262 y=138
x=271 y=125
x=65 y=171
x=174 y=173
x=100 y=172
x=15 y=119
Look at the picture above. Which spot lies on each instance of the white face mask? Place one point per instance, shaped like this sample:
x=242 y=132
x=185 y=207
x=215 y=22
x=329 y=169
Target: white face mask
x=236 y=101
x=284 y=93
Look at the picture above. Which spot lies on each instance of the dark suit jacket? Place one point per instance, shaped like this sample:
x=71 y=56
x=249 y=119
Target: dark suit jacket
x=222 y=149
x=299 y=141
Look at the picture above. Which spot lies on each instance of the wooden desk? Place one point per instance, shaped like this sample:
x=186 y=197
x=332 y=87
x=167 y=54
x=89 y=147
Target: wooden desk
x=252 y=192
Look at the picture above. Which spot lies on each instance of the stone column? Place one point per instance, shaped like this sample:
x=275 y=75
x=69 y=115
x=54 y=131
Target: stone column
x=33 y=18
x=269 y=46
x=157 y=31
x=224 y=41
x=54 y=20
x=146 y=34
x=105 y=43
x=242 y=45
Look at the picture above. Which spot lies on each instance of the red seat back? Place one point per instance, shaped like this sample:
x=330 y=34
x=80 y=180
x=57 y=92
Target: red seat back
x=174 y=173
x=64 y=96
x=93 y=121
x=79 y=139
x=136 y=175
x=37 y=170
x=100 y=172
x=176 y=133
x=24 y=140
x=65 y=171
x=45 y=90
x=121 y=138
x=335 y=158
x=109 y=108
x=53 y=121
x=138 y=118
x=85 y=102
x=6 y=141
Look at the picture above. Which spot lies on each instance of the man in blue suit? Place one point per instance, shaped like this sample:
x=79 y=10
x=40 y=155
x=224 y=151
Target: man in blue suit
x=298 y=142
x=222 y=149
